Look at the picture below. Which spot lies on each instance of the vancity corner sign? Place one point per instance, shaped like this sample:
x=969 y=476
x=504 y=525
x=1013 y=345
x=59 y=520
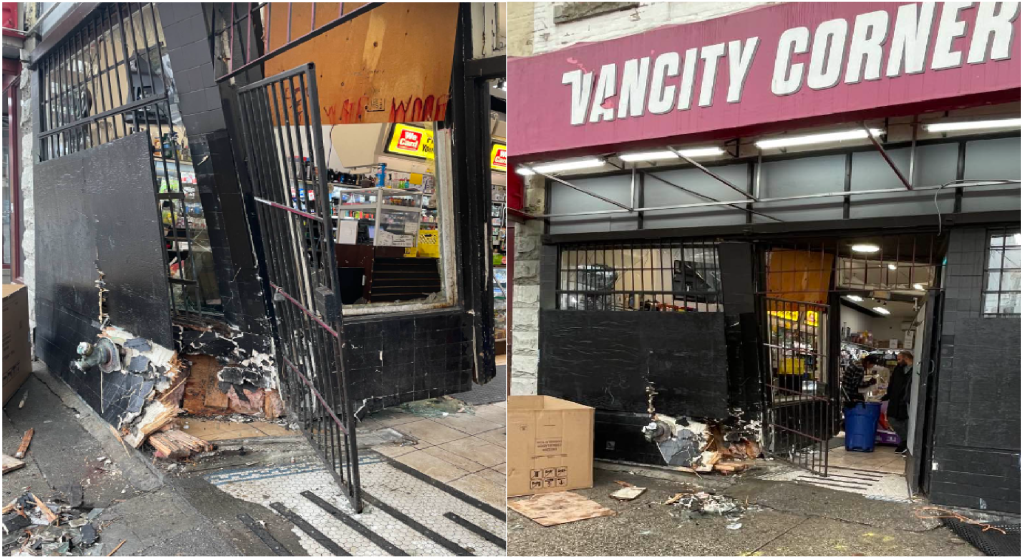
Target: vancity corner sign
x=763 y=67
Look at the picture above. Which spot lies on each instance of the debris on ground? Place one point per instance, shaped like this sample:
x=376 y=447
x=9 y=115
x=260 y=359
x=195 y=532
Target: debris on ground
x=699 y=503
x=11 y=463
x=552 y=509
x=175 y=444
x=437 y=407
x=54 y=526
x=628 y=493
x=25 y=441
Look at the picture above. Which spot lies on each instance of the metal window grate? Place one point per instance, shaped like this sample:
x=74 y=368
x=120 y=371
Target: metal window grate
x=664 y=275
x=110 y=78
x=1001 y=293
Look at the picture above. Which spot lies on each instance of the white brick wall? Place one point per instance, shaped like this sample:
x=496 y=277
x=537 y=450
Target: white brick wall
x=548 y=36
x=28 y=213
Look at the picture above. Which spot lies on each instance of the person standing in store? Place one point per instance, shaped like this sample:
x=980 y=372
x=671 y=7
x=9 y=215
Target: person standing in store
x=898 y=396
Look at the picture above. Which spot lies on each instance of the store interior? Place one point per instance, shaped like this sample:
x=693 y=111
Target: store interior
x=881 y=319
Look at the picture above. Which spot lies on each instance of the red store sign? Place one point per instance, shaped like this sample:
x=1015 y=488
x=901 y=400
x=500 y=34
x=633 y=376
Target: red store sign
x=764 y=69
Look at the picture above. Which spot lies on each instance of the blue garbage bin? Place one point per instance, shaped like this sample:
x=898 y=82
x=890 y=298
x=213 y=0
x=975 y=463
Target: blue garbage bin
x=861 y=423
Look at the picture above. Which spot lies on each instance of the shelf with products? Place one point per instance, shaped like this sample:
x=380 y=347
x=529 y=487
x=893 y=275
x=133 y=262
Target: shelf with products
x=500 y=303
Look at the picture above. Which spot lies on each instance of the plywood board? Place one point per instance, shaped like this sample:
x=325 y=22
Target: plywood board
x=392 y=64
x=552 y=509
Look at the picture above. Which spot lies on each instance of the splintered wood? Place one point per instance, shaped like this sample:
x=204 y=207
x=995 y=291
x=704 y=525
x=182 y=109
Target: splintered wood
x=552 y=509
x=176 y=444
x=25 y=441
x=11 y=463
x=724 y=457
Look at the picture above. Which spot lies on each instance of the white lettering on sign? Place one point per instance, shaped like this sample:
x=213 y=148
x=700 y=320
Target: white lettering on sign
x=869 y=47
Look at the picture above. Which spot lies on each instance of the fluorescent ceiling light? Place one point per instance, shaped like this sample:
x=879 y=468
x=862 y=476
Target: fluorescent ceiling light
x=892 y=267
x=865 y=248
x=568 y=165
x=648 y=156
x=525 y=171
x=669 y=154
x=855 y=298
x=702 y=152
x=973 y=125
x=790 y=141
x=918 y=287
x=881 y=310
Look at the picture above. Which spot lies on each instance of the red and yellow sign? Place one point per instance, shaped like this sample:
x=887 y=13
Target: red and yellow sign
x=499 y=157
x=412 y=141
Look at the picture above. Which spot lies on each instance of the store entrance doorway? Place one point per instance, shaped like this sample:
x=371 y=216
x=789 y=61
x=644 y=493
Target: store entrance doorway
x=827 y=304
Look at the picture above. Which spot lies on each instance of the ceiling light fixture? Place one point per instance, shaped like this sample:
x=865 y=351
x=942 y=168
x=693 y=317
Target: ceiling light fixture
x=881 y=310
x=855 y=298
x=865 y=248
x=791 y=141
x=918 y=287
x=671 y=154
x=973 y=125
x=892 y=267
x=558 y=166
x=648 y=156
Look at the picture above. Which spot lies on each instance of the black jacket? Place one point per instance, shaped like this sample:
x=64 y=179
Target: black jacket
x=898 y=393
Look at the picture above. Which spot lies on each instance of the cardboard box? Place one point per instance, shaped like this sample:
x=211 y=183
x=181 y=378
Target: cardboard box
x=16 y=346
x=550 y=445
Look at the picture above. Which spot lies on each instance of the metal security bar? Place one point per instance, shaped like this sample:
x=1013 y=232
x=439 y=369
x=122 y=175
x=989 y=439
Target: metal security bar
x=250 y=33
x=284 y=139
x=799 y=386
x=666 y=275
x=854 y=265
x=110 y=78
x=1001 y=292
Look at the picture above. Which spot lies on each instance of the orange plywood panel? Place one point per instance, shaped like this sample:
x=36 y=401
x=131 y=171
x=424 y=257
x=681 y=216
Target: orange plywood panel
x=392 y=64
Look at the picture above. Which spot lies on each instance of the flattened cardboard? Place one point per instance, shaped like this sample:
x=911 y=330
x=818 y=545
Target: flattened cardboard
x=562 y=507
x=550 y=445
x=17 y=361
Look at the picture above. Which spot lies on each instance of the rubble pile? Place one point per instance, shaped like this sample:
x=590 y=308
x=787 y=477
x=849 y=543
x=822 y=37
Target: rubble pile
x=697 y=503
x=55 y=526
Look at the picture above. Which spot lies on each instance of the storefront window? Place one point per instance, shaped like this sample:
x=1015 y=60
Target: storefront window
x=1001 y=293
x=669 y=276
x=390 y=198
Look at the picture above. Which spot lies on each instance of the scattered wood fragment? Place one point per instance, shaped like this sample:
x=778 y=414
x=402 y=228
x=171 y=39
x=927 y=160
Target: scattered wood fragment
x=674 y=499
x=50 y=517
x=628 y=493
x=624 y=483
x=156 y=415
x=113 y=551
x=731 y=467
x=177 y=444
x=25 y=441
x=11 y=463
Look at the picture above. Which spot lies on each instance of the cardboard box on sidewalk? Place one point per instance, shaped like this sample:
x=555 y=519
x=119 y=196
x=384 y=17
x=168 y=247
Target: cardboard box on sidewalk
x=16 y=347
x=550 y=445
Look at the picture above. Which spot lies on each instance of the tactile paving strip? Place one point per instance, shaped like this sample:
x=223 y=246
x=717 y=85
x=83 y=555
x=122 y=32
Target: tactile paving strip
x=415 y=498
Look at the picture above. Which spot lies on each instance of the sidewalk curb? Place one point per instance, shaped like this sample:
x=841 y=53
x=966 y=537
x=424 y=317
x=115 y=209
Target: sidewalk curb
x=142 y=475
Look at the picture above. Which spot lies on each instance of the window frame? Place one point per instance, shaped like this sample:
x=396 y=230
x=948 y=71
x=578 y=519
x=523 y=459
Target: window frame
x=992 y=234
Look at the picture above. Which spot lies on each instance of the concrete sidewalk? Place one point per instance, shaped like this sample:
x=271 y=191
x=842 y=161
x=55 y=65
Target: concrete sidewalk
x=784 y=519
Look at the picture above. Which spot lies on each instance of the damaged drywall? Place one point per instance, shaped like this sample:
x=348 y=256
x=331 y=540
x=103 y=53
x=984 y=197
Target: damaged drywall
x=247 y=360
x=704 y=446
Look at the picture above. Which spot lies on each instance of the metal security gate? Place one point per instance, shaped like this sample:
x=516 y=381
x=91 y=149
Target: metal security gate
x=801 y=394
x=284 y=139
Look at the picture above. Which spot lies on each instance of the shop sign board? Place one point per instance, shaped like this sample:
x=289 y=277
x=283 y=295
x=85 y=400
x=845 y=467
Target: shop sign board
x=762 y=68
x=412 y=141
x=499 y=157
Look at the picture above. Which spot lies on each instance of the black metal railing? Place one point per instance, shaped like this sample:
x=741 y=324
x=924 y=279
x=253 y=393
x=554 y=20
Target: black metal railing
x=662 y=275
x=284 y=141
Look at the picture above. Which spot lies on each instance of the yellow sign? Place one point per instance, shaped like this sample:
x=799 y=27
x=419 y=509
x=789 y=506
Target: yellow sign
x=412 y=141
x=499 y=157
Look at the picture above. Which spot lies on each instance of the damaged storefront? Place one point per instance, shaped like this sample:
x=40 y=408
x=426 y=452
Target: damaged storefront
x=232 y=218
x=715 y=219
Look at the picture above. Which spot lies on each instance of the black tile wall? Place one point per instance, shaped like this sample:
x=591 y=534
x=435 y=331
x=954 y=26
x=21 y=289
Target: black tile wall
x=976 y=459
